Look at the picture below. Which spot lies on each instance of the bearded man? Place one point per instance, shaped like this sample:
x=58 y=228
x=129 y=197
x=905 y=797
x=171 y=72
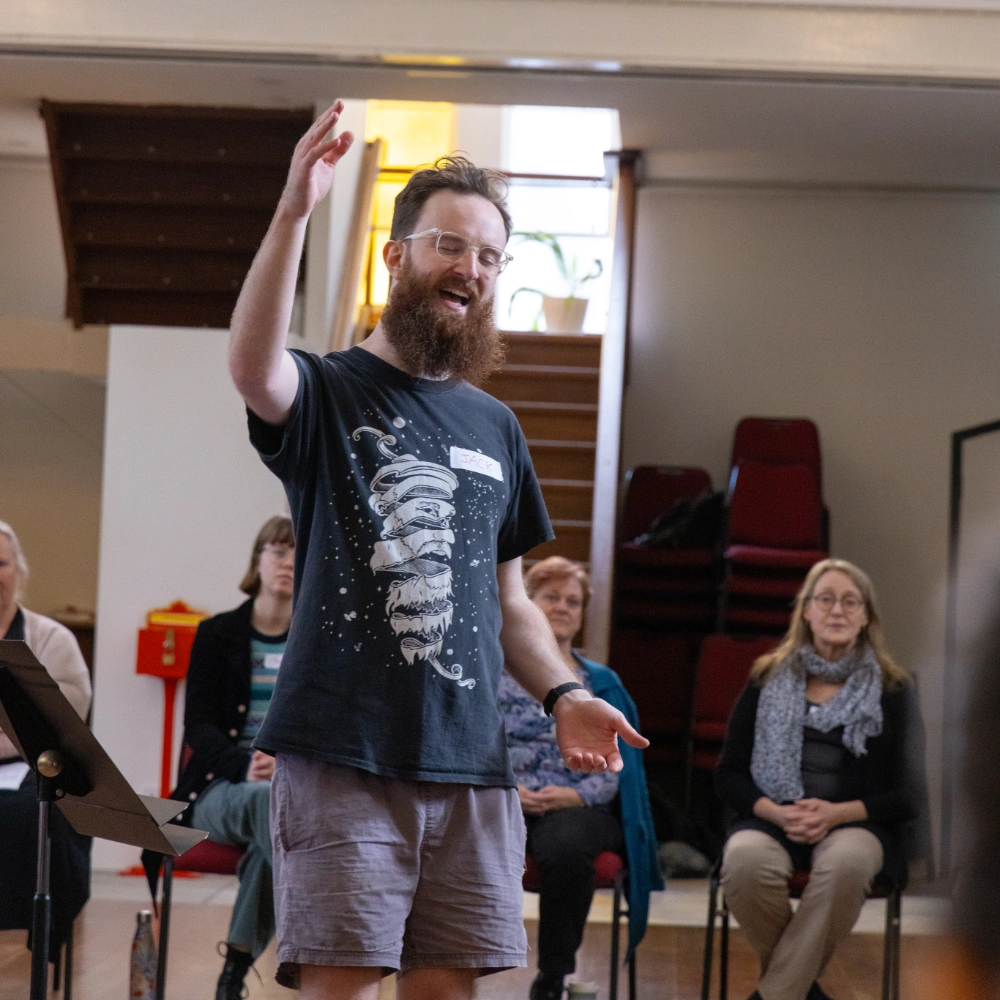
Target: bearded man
x=398 y=837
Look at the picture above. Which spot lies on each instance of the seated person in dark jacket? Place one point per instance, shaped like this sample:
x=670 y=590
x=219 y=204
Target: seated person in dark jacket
x=572 y=817
x=822 y=763
x=234 y=663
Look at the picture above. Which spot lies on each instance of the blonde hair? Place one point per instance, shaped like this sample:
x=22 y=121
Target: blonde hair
x=800 y=634
x=19 y=561
x=276 y=530
x=556 y=568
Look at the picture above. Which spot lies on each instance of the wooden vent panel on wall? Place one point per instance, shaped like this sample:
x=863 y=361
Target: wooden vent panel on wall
x=163 y=208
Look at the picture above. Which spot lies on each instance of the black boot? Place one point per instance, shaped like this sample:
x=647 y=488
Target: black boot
x=546 y=987
x=230 y=986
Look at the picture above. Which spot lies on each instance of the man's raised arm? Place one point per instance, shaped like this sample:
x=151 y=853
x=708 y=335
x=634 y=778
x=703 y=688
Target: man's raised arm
x=264 y=374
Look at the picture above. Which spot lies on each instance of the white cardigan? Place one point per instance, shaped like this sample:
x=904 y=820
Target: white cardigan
x=56 y=649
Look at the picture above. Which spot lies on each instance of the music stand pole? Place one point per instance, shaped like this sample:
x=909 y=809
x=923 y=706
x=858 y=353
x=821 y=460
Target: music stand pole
x=72 y=770
x=41 y=912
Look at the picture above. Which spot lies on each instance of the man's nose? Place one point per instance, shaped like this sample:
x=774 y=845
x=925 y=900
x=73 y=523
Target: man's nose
x=468 y=265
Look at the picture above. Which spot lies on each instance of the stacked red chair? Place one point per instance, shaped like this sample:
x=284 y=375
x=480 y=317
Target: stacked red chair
x=778 y=527
x=723 y=667
x=657 y=586
x=665 y=603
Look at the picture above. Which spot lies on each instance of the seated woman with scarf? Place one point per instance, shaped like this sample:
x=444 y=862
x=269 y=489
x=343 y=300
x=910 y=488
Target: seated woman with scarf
x=823 y=762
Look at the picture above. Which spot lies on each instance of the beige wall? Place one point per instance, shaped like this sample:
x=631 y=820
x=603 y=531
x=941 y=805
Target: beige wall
x=51 y=423
x=875 y=314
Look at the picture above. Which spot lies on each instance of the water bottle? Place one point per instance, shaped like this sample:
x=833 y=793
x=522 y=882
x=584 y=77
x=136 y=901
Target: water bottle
x=581 y=991
x=142 y=980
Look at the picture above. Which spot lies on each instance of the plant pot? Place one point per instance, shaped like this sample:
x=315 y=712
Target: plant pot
x=563 y=315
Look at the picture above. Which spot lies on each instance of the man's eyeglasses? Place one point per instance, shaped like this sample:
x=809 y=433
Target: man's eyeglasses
x=848 y=602
x=451 y=246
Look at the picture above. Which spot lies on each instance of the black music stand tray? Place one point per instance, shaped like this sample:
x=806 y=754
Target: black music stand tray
x=72 y=770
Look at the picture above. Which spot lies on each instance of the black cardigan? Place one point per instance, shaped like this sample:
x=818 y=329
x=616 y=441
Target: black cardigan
x=216 y=702
x=889 y=779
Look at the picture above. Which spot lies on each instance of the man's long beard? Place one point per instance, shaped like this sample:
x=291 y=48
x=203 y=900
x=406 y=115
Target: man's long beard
x=437 y=344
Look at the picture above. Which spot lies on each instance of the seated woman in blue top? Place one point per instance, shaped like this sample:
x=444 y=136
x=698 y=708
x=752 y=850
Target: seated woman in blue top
x=572 y=817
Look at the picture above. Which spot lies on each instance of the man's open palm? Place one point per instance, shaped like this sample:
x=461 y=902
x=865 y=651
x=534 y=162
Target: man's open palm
x=310 y=176
x=587 y=732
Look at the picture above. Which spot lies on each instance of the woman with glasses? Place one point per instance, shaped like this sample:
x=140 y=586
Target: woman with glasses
x=822 y=763
x=234 y=664
x=571 y=817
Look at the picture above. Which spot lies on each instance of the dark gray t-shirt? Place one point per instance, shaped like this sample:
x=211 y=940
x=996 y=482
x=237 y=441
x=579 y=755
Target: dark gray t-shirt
x=405 y=494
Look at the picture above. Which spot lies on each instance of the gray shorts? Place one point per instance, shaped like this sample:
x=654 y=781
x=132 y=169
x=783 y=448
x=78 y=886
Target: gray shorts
x=374 y=871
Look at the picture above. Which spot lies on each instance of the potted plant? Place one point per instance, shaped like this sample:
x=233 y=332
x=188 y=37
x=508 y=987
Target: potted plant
x=563 y=313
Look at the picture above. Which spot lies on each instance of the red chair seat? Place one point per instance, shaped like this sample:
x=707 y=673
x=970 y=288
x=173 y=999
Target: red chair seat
x=630 y=554
x=779 y=587
x=754 y=618
x=607 y=865
x=760 y=555
x=211 y=858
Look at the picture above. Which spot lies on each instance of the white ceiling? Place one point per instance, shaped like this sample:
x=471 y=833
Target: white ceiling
x=691 y=128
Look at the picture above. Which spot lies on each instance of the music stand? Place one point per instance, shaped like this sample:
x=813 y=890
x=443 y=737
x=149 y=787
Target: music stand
x=72 y=770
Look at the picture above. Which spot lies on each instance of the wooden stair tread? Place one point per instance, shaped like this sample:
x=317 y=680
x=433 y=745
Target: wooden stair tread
x=567 y=484
x=550 y=371
x=532 y=406
x=564 y=522
x=561 y=443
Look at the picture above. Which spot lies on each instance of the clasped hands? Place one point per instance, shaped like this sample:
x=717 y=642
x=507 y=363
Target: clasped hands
x=261 y=767
x=808 y=821
x=547 y=799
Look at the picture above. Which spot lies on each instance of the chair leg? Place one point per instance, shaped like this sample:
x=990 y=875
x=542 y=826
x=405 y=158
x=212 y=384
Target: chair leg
x=706 y=975
x=891 y=946
x=57 y=969
x=616 y=918
x=631 y=976
x=724 y=952
x=165 y=905
x=68 y=966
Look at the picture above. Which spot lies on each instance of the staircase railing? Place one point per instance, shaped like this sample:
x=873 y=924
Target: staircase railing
x=614 y=353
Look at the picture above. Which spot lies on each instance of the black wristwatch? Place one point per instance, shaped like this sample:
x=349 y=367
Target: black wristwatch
x=557 y=692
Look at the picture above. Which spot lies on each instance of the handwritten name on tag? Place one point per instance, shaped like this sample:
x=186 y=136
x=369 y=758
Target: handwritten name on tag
x=474 y=461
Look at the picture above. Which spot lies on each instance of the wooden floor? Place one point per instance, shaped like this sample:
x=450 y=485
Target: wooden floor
x=669 y=961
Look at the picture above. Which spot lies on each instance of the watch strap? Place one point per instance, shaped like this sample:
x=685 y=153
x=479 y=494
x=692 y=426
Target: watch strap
x=557 y=692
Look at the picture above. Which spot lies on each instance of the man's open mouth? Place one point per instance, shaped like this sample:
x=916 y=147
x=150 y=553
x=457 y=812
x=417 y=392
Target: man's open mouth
x=458 y=298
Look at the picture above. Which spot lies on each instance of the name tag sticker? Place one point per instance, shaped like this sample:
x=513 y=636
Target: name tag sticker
x=475 y=461
x=272 y=661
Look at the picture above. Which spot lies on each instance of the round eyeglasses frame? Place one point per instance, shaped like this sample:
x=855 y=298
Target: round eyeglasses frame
x=849 y=603
x=489 y=266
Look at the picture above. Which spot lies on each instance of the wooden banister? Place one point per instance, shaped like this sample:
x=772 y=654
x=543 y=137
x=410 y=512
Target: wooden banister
x=609 y=416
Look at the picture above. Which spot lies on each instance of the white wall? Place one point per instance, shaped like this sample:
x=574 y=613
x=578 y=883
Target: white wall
x=874 y=314
x=184 y=495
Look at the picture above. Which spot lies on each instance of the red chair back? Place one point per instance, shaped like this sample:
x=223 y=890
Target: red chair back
x=657 y=671
x=721 y=674
x=775 y=506
x=651 y=490
x=779 y=440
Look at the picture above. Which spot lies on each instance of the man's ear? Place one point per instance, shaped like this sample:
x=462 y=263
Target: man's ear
x=392 y=254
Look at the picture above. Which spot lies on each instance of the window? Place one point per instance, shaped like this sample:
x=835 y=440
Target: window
x=556 y=160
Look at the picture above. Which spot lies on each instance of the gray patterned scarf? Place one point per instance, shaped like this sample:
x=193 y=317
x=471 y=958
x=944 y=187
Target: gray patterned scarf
x=776 y=763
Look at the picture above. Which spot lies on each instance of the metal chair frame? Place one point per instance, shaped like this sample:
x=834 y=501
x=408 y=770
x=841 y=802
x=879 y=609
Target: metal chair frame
x=890 y=951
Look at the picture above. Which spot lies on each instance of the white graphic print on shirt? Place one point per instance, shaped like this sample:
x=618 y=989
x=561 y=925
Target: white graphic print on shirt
x=413 y=495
